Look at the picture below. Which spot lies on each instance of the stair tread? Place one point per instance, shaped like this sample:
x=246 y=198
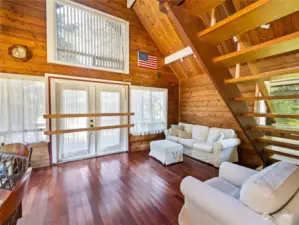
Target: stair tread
x=249 y=18
x=285 y=158
x=270 y=97
x=282 y=150
x=271 y=115
x=292 y=72
x=279 y=141
x=273 y=47
x=279 y=129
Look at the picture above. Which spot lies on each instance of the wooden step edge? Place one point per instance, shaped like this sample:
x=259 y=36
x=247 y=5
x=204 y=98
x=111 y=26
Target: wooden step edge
x=270 y=115
x=255 y=98
x=273 y=47
x=276 y=129
x=282 y=153
x=272 y=75
x=279 y=143
x=285 y=158
x=248 y=18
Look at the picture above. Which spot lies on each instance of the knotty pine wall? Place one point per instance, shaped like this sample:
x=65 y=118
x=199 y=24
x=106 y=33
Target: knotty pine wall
x=200 y=103
x=24 y=22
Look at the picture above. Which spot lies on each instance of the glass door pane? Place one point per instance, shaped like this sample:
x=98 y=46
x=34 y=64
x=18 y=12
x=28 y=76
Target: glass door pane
x=73 y=101
x=109 y=139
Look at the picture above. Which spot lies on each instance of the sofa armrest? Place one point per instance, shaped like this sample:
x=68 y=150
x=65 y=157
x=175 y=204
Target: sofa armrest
x=223 y=208
x=235 y=174
x=226 y=143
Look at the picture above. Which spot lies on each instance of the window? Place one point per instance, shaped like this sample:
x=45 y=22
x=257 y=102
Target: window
x=285 y=106
x=150 y=108
x=81 y=36
x=21 y=110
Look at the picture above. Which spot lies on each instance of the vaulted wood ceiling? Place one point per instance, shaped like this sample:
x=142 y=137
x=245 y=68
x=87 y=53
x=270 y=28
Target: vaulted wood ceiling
x=163 y=34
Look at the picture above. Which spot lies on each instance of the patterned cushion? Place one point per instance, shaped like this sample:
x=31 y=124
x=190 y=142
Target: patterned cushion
x=269 y=190
x=175 y=132
x=185 y=135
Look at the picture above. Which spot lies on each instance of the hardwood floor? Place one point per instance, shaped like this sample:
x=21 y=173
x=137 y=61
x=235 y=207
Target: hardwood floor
x=117 y=189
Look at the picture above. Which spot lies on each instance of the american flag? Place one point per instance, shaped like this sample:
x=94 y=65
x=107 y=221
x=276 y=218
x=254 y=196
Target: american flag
x=147 y=61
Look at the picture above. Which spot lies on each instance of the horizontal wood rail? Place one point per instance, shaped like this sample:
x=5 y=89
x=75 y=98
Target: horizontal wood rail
x=60 y=116
x=255 y=98
x=281 y=142
x=283 y=151
x=271 y=115
x=283 y=130
x=253 y=16
x=56 y=132
x=276 y=46
x=273 y=75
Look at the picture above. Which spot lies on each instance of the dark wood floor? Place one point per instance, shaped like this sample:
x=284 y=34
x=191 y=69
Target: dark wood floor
x=117 y=189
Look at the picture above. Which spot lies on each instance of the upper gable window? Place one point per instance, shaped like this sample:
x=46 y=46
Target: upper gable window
x=81 y=36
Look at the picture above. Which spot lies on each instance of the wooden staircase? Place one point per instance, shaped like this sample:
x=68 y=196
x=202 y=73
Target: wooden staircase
x=269 y=142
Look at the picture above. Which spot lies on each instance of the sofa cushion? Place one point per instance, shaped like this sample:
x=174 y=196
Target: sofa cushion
x=269 y=190
x=228 y=133
x=203 y=146
x=200 y=133
x=214 y=135
x=172 y=138
x=187 y=142
x=224 y=186
x=186 y=127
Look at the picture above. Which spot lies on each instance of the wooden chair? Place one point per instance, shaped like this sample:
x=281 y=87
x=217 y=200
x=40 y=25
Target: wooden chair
x=11 y=208
x=14 y=161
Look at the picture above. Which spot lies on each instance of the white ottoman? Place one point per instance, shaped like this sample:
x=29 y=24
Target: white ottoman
x=167 y=152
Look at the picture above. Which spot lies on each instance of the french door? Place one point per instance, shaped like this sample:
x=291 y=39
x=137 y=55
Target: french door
x=81 y=97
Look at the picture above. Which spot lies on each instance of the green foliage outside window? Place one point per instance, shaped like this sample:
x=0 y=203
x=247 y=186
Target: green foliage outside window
x=287 y=106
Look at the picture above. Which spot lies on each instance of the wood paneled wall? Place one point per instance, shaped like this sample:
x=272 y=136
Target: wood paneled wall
x=24 y=22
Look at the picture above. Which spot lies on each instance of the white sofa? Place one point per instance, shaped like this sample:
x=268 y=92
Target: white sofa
x=204 y=145
x=241 y=196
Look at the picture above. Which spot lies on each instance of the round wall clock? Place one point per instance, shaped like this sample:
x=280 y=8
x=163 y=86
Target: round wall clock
x=20 y=53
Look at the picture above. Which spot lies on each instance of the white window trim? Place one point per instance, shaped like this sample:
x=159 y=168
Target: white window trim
x=52 y=38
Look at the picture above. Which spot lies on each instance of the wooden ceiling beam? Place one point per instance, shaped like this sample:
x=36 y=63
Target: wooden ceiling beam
x=253 y=16
x=273 y=47
x=273 y=75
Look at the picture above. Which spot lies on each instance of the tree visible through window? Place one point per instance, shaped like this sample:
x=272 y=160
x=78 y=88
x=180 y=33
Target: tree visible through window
x=286 y=106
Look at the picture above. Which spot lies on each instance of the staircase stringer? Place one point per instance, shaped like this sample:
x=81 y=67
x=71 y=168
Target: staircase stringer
x=205 y=52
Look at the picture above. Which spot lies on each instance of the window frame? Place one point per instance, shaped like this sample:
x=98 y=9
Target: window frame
x=52 y=35
x=143 y=88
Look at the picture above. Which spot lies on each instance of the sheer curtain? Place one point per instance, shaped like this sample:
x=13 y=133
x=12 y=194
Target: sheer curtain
x=22 y=105
x=73 y=144
x=150 y=108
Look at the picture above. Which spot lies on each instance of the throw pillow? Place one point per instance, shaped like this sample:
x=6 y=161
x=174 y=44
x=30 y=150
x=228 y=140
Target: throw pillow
x=175 y=132
x=221 y=137
x=174 y=126
x=186 y=135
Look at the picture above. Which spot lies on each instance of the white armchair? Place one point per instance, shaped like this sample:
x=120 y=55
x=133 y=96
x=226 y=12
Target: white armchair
x=241 y=196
